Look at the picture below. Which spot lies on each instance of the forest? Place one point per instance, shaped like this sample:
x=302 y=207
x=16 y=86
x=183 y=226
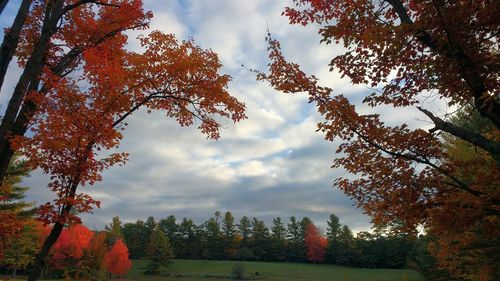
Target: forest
x=408 y=110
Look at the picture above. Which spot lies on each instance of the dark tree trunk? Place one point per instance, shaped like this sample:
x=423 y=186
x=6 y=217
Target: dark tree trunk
x=11 y=38
x=40 y=259
x=28 y=80
x=3 y=3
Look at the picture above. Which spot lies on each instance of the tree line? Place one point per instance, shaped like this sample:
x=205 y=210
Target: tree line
x=223 y=238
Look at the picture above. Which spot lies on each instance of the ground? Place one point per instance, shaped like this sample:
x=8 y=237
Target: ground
x=191 y=270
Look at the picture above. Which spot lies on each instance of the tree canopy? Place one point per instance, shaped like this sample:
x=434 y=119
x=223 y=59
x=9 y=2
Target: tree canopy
x=405 y=177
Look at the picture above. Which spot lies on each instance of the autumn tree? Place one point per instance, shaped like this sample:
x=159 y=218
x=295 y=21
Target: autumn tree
x=93 y=260
x=406 y=50
x=20 y=251
x=159 y=252
x=67 y=253
x=74 y=114
x=116 y=260
x=315 y=244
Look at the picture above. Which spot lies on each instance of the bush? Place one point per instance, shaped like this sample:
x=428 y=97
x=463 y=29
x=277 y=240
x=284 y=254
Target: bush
x=238 y=271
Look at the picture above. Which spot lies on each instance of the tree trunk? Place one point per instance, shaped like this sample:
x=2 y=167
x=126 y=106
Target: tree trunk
x=11 y=38
x=39 y=263
x=3 y=3
x=30 y=75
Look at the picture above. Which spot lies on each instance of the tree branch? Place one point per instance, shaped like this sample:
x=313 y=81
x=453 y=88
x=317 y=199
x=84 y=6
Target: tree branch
x=490 y=146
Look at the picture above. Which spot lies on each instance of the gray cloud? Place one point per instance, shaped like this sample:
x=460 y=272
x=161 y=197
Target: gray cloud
x=273 y=164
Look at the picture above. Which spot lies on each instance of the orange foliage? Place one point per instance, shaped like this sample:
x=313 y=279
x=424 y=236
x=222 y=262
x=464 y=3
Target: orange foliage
x=315 y=243
x=405 y=178
x=74 y=122
x=71 y=246
x=116 y=260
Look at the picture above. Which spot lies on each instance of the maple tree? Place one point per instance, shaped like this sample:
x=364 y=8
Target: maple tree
x=315 y=244
x=406 y=49
x=70 y=248
x=116 y=260
x=75 y=114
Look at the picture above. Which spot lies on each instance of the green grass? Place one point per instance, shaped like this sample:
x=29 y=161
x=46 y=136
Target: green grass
x=191 y=270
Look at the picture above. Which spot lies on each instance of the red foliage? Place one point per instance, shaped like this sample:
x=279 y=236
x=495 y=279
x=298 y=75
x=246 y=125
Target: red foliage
x=315 y=243
x=116 y=260
x=71 y=246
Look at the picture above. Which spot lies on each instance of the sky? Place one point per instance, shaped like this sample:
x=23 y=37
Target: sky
x=272 y=164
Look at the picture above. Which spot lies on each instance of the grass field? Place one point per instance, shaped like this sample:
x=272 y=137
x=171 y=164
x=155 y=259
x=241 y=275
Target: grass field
x=191 y=270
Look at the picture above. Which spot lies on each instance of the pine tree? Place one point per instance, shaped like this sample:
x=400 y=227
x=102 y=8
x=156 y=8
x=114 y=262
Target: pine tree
x=159 y=251
x=114 y=231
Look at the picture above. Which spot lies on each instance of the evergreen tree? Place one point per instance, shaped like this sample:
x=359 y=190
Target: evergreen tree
x=171 y=229
x=114 y=231
x=245 y=231
x=293 y=251
x=278 y=236
x=332 y=233
x=260 y=241
x=229 y=233
x=136 y=236
x=159 y=251
x=244 y=227
x=214 y=240
x=346 y=246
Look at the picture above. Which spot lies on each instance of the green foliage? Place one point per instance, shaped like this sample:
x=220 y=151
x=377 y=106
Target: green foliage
x=114 y=231
x=220 y=238
x=22 y=250
x=159 y=252
x=136 y=236
x=12 y=194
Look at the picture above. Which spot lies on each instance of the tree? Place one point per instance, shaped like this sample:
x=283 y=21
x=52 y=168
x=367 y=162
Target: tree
x=159 y=252
x=315 y=243
x=294 y=249
x=214 y=244
x=260 y=241
x=406 y=49
x=278 y=236
x=20 y=251
x=15 y=214
x=93 y=260
x=114 y=231
x=229 y=234
x=68 y=255
x=75 y=114
x=244 y=227
x=136 y=237
x=332 y=234
x=116 y=260
x=345 y=249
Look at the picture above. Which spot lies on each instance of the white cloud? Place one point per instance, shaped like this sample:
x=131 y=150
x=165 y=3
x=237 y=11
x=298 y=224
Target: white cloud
x=272 y=164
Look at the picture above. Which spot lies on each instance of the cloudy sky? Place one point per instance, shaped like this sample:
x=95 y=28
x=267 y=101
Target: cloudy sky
x=272 y=164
